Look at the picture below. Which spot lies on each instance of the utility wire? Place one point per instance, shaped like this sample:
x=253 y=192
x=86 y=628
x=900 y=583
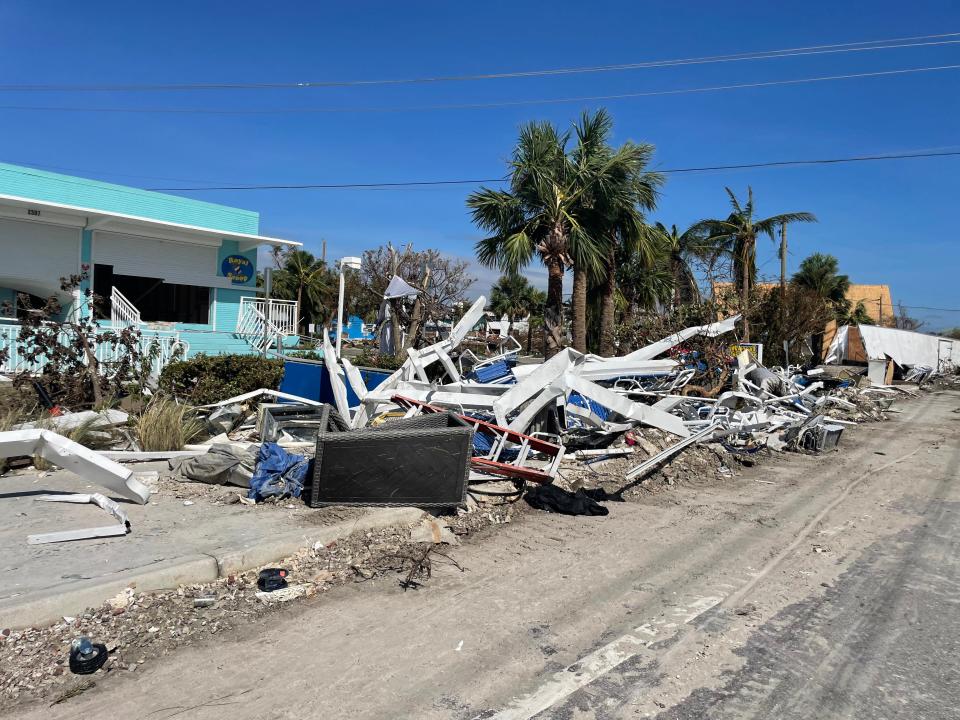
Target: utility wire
x=924 y=307
x=427 y=183
x=861 y=46
x=475 y=106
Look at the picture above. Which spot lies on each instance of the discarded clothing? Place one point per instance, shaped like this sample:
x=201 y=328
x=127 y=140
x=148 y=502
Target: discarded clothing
x=554 y=499
x=278 y=473
x=223 y=465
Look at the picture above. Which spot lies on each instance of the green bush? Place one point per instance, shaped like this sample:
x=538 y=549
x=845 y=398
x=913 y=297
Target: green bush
x=207 y=379
x=380 y=361
x=305 y=354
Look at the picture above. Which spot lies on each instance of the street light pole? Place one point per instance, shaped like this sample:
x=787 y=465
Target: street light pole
x=347 y=262
x=340 y=311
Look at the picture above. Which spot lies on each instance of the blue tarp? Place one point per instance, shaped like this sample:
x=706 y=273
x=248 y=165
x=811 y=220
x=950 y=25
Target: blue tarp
x=278 y=473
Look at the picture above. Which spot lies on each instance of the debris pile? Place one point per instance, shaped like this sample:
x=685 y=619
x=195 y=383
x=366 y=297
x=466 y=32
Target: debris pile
x=529 y=417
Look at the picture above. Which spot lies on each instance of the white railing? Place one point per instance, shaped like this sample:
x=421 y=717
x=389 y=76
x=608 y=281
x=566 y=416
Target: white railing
x=265 y=322
x=281 y=314
x=254 y=326
x=123 y=313
x=160 y=347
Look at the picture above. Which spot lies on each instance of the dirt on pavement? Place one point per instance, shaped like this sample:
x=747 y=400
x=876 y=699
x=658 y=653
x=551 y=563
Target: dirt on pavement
x=543 y=602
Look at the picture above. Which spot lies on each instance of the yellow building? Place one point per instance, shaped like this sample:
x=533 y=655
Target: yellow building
x=876 y=300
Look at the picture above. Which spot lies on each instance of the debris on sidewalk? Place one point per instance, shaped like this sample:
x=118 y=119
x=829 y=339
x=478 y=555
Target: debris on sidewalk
x=121 y=528
x=86 y=463
x=144 y=625
x=271 y=579
x=86 y=657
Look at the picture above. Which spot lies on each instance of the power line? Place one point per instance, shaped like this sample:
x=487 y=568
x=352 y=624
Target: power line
x=474 y=106
x=924 y=307
x=427 y=183
x=860 y=46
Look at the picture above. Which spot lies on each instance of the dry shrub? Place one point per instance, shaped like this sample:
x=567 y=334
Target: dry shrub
x=166 y=425
x=86 y=434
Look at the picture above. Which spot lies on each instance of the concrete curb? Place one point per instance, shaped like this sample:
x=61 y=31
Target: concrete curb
x=285 y=545
x=49 y=606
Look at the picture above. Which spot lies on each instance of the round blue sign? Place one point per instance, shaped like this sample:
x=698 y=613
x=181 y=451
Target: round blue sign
x=237 y=268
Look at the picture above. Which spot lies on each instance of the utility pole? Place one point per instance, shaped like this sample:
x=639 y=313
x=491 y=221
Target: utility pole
x=783 y=275
x=323 y=252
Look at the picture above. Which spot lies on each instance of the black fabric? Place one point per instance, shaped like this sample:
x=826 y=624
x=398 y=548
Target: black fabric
x=601 y=495
x=554 y=499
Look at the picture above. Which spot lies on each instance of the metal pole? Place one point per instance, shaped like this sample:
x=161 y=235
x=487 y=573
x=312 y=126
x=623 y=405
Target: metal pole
x=783 y=285
x=340 y=311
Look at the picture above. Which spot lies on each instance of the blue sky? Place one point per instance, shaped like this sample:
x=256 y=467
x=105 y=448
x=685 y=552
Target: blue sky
x=889 y=222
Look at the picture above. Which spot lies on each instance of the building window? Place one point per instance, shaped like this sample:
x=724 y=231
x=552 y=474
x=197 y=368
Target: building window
x=157 y=300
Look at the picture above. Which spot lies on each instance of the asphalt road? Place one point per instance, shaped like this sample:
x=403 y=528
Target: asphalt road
x=819 y=587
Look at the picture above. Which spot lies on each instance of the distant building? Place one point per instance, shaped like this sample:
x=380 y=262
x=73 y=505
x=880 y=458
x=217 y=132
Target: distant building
x=876 y=302
x=500 y=327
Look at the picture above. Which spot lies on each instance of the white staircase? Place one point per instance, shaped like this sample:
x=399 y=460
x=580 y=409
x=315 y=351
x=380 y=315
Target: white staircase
x=123 y=313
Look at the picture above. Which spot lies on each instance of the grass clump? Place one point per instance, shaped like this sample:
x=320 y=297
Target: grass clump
x=86 y=433
x=166 y=425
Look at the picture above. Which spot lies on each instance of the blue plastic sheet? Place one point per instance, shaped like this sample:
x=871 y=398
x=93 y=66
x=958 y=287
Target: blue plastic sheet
x=278 y=473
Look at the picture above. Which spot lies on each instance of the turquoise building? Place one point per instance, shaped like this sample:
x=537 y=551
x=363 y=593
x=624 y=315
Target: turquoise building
x=181 y=270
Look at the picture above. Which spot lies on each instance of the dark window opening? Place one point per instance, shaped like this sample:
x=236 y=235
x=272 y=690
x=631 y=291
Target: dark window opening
x=157 y=301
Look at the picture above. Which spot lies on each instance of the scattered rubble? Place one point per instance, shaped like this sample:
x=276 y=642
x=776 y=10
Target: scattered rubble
x=449 y=430
x=136 y=626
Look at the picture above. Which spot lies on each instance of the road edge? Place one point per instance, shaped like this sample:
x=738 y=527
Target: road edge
x=50 y=605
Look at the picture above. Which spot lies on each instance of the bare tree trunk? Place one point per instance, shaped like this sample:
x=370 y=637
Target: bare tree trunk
x=93 y=370
x=394 y=304
x=301 y=325
x=629 y=318
x=607 y=309
x=416 y=316
x=553 y=311
x=579 y=303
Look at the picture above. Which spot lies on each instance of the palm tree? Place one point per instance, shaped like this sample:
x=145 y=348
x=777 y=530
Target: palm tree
x=559 y=208
x=536 y=300
x=308 y=281
x=855 y=315
x=618 y=190
x=820 y=273
x=643 y=283
x=532 y=218
x=683 y=248
x=737 y=236
x=511 y=297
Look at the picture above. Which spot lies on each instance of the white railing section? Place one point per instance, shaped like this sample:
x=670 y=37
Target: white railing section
x=254 y=326
x=159 y=346
x=265 y=322
x=281 y=314
x=123 y=313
